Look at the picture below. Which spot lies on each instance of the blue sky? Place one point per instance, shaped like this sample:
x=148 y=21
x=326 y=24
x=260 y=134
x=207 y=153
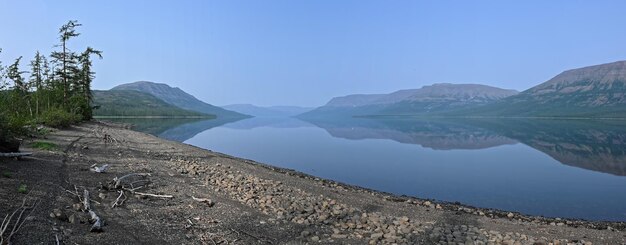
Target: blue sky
x=305 y=52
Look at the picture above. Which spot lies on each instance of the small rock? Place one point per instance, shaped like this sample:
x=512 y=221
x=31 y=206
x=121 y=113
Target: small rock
x=102 y=196
x=510 y=215
x=305 y=233
x=56 y=213
x=315 y=239
x=72 y=219
x=438 y=206
x=77 y=206
x=427 y=203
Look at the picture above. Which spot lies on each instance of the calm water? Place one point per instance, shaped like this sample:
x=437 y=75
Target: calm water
x=543 y=167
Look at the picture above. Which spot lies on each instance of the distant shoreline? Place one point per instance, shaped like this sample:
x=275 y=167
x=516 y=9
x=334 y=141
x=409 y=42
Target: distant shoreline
x=160 y=117
x=490 y=117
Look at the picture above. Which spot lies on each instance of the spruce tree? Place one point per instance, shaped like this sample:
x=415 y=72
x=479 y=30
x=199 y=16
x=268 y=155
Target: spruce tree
x=36 y=79
x=86 y=76
x=66 y=59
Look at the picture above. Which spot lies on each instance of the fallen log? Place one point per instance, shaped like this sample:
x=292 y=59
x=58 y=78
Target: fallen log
x=208 y=202
x=152 y=195
x=15 y=154
x=97 y=222
x=86 y=204
x=101 y=169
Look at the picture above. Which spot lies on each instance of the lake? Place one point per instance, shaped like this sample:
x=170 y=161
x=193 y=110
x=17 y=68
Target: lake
x=554 y=168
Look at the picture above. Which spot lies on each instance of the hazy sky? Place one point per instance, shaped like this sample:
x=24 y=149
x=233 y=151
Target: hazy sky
x=305 y=52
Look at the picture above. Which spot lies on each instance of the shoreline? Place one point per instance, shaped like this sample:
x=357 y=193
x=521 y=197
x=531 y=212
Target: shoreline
x=251 y=202
x=446 y=205
x=159 y=117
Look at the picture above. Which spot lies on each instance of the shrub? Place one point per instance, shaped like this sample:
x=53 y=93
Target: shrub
x=7 y=174
x=44 y=145
x=8 y=130
x=59 y=118
x=22 y=189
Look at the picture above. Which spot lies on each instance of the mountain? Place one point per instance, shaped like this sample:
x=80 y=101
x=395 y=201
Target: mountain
x=135 y=103
x=270 y=111
x=594 y=91
x=178 y=97
x=438 y=98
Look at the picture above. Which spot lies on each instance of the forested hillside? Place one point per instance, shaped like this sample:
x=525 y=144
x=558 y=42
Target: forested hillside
x=129 y=103
x=55 y=90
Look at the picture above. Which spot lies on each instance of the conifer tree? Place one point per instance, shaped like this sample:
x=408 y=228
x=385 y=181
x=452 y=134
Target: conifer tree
x=86 y=76
x=66 y=59
x=36 y=78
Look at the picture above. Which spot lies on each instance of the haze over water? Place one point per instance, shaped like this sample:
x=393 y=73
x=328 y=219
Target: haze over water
x=557 y=168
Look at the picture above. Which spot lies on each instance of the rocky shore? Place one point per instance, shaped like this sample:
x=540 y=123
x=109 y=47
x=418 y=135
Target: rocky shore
x=244 y=202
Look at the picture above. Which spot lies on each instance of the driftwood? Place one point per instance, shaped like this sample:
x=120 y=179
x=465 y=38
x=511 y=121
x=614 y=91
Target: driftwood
x=86 y=204
x=118 y=183
x=119 y=201
x=15 y=154
x=97 y=222
x=101 y=169
x=16 y=223
x=152 y=195
x=208 y=202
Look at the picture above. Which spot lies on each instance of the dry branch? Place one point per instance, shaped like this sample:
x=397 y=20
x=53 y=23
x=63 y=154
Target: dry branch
x=86 y=204
x=97 y=222
x=119 y=182
x=16 y=224
x=208 y=202
x=152 y=195
x=119 y=201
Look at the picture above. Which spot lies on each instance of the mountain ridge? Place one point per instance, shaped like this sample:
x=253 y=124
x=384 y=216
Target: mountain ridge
x=177 y=97
x=131 y=103
x=597 y=91
x=436 y=97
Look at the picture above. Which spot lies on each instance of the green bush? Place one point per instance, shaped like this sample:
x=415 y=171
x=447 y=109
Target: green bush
x=9 y=129
x=7 y=174
x=44 y=145
x=22 y=189
x=58 y=118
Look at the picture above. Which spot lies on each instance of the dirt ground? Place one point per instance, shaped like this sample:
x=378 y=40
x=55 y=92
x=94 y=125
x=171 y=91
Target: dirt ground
x=250 y=203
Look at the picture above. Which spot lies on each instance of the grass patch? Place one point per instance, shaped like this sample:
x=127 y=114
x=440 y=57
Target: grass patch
x=7 y=174
x=44 y=145
x=22 y=189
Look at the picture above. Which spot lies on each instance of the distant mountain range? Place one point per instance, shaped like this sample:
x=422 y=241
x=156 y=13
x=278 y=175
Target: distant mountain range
x=178 y=98
x=591 y=92
x=129 y=103
x=269 y=111
x=594 y=91
x=435 y=98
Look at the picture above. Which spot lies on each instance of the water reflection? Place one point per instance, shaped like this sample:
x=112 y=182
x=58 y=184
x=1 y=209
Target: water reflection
x=176 y=129
x=434 y=134
x=589 y=144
